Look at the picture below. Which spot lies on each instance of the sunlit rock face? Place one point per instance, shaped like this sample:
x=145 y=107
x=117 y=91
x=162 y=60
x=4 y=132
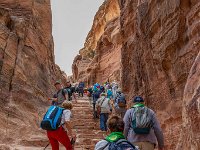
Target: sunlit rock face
x=90 y=63
x=27 y=69
x=160 y=43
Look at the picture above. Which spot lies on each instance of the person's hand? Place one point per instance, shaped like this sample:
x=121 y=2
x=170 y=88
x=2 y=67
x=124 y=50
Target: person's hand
x=74 y=135
x=161 y=148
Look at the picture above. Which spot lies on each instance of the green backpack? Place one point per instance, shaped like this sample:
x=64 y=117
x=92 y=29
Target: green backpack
x=141 y=119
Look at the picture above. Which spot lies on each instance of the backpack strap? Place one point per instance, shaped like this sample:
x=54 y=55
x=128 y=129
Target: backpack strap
x=102 y=102
x=124 y=140
x=105 y=145
x=63 y=93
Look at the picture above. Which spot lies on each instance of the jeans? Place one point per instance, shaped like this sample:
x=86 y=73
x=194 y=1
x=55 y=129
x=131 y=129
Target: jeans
x=103 y=121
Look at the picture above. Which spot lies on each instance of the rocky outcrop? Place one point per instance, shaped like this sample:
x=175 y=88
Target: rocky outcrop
x=160 y=43
x=190 y=133
x=27 y=69
x=88 y=65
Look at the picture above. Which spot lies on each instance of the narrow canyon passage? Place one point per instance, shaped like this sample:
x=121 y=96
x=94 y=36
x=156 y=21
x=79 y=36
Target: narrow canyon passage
x=151 y=48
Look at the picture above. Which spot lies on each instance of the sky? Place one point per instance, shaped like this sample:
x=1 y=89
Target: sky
x=72 y=21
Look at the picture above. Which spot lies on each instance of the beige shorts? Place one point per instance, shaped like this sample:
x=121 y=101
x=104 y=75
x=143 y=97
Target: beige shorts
x=144 y=145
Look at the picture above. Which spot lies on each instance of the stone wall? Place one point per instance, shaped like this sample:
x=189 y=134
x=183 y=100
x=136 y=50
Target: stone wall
x=27 y=68
x=160 y=43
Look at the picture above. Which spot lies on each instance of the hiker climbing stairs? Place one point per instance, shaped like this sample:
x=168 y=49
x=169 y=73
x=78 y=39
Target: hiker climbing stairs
x=88 y=132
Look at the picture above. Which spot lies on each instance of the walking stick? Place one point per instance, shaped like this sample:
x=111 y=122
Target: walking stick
x=46 y=146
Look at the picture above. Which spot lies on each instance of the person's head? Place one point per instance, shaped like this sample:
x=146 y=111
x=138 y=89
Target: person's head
x=116 y=124
x=68 y=84
x=67 y=105
x=58 y=85
x=138 y=99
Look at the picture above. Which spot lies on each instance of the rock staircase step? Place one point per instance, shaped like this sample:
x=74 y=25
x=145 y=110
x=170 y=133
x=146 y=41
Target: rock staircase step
x=88 y=132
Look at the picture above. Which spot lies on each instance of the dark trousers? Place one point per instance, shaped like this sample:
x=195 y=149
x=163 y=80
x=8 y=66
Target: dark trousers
x=80 y=93
x=103 y=121
x=94 y=111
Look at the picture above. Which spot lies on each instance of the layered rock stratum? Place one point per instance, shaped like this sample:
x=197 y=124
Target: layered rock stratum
x=151 y=47
x=27 y=70
x=101 y=48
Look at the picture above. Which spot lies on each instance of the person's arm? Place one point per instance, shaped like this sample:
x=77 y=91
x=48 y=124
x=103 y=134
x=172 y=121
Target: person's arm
x=54 y=98
x=158 y=132
x=68 y=123
x=66 y=94
x=110 y=106
x=69 y=129
x=97 y=102
x=127 y=123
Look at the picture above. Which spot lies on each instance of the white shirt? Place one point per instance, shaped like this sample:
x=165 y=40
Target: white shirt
x=66 y=116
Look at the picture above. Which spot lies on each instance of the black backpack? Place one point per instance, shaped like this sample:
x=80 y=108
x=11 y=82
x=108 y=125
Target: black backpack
x=70 y=91
x=121 y=144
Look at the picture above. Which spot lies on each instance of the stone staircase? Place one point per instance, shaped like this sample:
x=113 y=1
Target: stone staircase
x=88 y=133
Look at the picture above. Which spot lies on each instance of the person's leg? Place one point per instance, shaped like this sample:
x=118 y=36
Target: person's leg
x=102 y=122
x=54 y=143
x=94 y=115
x=106 y=119
x=64 y=139
x=82 y=92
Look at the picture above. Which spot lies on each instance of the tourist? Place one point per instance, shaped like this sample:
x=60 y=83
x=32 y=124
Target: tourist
x=142 y=127
x=103 y=109
x=60 y=135
x=120 y=105
x=60 y=96
x=71 y=91
x=95 y=96
x=81 y=88
x=116 y=139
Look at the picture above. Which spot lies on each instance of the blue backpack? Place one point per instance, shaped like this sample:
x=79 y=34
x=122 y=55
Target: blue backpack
x=52 y=118
x=109 y=93
x=97 y=94
x=121 y=144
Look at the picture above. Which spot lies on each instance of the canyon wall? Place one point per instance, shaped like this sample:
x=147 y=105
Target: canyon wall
x=102 y=47
x=27 y=69
x=160 y=43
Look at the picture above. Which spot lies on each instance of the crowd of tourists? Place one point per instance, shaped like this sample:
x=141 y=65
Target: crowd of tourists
x=128 y=128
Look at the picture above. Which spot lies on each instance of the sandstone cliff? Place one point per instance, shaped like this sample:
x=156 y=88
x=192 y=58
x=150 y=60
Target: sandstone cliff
x=100 y=43
x=27 y=70
x=160 y=43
